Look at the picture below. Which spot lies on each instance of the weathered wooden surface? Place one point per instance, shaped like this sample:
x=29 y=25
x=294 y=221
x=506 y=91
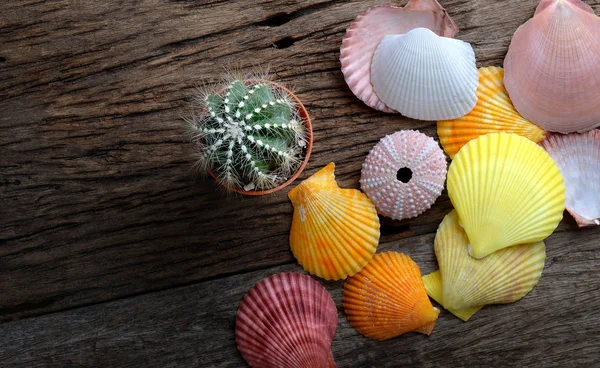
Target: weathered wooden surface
x=554 y=326
x=98 y=201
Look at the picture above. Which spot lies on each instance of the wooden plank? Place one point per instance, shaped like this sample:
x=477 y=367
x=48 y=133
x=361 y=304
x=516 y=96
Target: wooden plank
x=98 y=200
x=553 y=326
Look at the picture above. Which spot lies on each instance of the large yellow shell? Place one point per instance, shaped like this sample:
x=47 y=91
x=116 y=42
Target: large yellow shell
x=493 y=113
x=502 y=277
x=434 y=287
x=507 y=190
x=387 y=298
x=334 y=231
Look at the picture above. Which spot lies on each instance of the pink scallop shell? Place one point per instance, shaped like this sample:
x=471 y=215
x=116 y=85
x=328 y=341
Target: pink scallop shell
x=413 y=150
x=287 y=320
x=552 y=68
x=578 y=157
x=368 y=29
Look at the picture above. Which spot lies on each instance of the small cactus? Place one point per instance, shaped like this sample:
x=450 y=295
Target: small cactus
x=250 y=135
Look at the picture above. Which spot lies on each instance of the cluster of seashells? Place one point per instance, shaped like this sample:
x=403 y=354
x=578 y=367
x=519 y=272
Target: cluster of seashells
x=509 y=181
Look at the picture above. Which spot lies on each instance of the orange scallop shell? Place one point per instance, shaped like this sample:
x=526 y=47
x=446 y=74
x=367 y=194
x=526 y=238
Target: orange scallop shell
x=493 y=113
x=334 y=231
x=388 y=298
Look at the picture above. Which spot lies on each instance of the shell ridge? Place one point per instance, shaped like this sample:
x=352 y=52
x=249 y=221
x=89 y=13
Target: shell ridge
x=299 y=312
x=564 y=31
x=334 y=231
x=502 y=277
x=433 y=285
x=366 y=32
x=282 y=297
x=375 y=307
x=325 y=233
x=392 y=49
x=578 y=158
x=495 y=161
x=493 y=112
x=271 y=295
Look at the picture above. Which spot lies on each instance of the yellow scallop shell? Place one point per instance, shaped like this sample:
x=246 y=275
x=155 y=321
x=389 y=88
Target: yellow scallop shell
x=434 y=287
x=502 y=277
x=507 y=190
x=493 y=113
x=334 y=231
x=387 y=298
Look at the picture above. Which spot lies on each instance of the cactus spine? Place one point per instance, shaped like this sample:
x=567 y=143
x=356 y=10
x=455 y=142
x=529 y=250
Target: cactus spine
x=250 y=136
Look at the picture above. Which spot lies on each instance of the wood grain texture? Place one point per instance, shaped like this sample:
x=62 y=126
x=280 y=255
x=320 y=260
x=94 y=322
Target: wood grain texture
x=553 y=326
x=98 y=200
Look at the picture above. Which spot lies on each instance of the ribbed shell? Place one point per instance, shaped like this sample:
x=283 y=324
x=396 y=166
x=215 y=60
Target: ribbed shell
x=502 y=277
x=387 y=298
x=367 y=31
x=507 y=190
x=552 y=69
x=578 y=157
x=493 y=113
x=335 y=231
x=424 y=76
x=434 y=287
x=287 y=320
x=404 y=149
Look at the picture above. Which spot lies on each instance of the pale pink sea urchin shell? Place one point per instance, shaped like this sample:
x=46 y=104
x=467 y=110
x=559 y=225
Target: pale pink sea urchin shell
x=368 y=29
x=287 y=320
x=578 y=157
x=404 y=174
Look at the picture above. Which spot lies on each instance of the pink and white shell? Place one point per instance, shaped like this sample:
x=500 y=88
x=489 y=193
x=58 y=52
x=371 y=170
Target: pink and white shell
x=578 y=157
x=368 y=29
x=287 y=320
x=552 y=68
x=383 y=174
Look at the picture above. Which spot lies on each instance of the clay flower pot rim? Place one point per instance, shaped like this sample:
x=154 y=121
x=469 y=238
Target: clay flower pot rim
x=309 y=142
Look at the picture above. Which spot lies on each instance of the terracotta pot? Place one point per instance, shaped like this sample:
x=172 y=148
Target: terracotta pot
x=309 y=142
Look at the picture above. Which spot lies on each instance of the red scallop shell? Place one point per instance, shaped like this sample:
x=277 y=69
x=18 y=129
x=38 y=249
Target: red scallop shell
x=287 y=320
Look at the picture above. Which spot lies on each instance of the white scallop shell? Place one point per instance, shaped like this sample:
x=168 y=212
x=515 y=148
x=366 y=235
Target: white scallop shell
x=405 y=149
x=369 y=28
x=425 y=76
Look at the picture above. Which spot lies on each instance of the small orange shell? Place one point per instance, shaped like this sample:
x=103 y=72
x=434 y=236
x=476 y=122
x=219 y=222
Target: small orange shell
x=387 y=298
x=334 y=231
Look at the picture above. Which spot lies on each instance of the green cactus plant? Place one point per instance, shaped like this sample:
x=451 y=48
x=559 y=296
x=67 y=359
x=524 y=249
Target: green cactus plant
x=250 y=135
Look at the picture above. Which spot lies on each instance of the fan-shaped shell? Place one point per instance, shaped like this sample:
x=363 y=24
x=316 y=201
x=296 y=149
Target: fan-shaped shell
x=425 y=76
x=578 y=157
x=287 y=320
x=552 y=69
x=335 y=231
x=507 y=190
x=493 y=113
x=502 y=277
x=387 y=298
x=434 y=287
x=404 y=197
x=367 y=30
